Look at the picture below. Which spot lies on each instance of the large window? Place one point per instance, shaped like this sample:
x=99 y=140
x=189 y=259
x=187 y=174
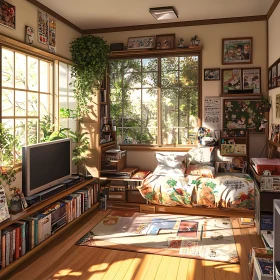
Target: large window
x=155 y=100
x=26 y=96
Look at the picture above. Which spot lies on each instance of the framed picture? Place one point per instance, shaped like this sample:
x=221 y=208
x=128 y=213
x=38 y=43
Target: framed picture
x=244 y=113
x=165 y=41
x=277 y=106
x=212 y=74
x=251 y=78
x=274 y=75
x=278 y=73
x=29 y=35
x=237 y=50
x=269 y=78
x=7 y=14
x=231 y=80
x=136 y=43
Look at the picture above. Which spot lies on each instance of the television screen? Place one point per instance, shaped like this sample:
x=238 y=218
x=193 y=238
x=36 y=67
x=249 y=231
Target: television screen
x=45 y=165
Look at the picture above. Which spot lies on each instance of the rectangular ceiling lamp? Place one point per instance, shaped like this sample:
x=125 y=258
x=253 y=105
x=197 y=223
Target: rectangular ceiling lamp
x=163 y=13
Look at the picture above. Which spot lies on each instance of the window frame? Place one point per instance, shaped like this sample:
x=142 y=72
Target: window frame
x=160 y=54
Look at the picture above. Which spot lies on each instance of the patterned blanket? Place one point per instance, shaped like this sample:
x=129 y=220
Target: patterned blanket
x=224 y=191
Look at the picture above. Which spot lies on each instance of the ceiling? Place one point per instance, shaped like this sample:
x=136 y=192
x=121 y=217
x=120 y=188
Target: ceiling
x=96 y=14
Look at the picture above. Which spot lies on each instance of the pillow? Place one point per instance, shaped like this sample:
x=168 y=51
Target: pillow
x=201 y=155
x=171 y=163
x=201 y=170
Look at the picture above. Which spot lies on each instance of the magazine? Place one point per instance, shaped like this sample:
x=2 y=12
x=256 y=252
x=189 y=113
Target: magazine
x=188 y=229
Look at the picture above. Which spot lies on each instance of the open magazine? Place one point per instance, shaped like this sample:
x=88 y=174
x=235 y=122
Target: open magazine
x=4 y=211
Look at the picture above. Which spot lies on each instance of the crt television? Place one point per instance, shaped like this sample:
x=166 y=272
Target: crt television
x=45 y=165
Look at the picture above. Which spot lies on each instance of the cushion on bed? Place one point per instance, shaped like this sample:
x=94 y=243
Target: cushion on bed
x=171 y=164
x=201 y=155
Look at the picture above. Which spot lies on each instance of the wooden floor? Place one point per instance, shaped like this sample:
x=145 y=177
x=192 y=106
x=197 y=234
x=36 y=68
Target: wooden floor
x=62 y=259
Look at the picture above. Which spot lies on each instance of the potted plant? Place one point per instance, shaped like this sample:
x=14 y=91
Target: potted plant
x=265 y=103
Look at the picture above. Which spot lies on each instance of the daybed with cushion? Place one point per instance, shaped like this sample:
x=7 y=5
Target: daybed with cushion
x=169 y=185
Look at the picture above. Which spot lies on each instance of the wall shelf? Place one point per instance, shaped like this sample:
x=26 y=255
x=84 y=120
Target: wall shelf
x=251 y=95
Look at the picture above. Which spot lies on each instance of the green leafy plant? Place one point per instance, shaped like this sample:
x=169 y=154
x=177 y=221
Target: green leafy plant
x=81 y=142
x=90 y=55
x=47 y=128
x=7 y=142
x=61 y=133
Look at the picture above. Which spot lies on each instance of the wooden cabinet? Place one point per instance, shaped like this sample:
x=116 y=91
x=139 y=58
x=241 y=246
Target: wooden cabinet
x=235 y=143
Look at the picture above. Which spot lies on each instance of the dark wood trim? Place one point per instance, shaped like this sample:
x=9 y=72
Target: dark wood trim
x=54 y=14
x=175 y=24
x=272 y=8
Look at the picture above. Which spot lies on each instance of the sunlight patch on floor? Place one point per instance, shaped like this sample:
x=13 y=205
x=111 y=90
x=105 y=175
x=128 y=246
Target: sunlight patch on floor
x=67 y=272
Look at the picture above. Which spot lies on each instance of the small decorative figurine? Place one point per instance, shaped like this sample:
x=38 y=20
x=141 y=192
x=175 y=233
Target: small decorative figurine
x=195 y=41
x=181 y=43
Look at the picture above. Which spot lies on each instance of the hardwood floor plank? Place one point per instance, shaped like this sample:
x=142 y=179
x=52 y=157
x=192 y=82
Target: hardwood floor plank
x=173 y=269
x=143 y=267
x=132 y=271
x=183 y=269
x=163 y=267
x=195 y=270
x=153 y=268
x=209 y=269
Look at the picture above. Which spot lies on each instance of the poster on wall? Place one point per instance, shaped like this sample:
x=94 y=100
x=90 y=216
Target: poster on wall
x=52 y=35
x=43 y=28
x=29 y=35
x=212 y=107
x=7 y=14
x=4 y=211
x=278 y=106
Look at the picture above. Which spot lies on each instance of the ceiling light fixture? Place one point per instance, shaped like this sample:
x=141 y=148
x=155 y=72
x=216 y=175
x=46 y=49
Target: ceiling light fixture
x=163 y=13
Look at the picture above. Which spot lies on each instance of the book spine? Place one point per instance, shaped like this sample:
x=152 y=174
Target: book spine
x=0 y=250
x=23 y=239
x=17 y=237
x=13 y=246
x=3 y=249
x=36 y=240
x=8 y=247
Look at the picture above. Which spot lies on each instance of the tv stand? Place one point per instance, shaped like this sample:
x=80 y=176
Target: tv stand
x=37 y=207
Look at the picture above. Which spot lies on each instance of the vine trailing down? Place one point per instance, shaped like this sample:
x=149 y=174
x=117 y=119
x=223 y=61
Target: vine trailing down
x=90 y=57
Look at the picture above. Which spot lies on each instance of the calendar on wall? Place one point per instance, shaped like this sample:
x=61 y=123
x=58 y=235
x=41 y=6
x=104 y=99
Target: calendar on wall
x=212 y=111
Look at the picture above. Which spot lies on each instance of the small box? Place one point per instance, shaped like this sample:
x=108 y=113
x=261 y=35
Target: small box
x=116 y=47
x=134 y=196
x=266 y=222
x=113 y=165
x=149 y=209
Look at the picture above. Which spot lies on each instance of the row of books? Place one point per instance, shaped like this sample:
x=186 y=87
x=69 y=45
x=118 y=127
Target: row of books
x=23 y=235
x=114 y=154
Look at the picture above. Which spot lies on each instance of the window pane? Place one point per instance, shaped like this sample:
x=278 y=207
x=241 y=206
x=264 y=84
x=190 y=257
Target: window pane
x=188 y=71
x=150 y=80
x=7 y=102
x=33 y=104
x=45 y=105
x=132 y=109
x=20 y=132
x=169 y=63
x=20 y=103
x=132 y=80
x=44 y=76
x=149 y=64
x=7 y=68
x=20 y=70
x=169 y=79
x=32 y=133
x=32 y=73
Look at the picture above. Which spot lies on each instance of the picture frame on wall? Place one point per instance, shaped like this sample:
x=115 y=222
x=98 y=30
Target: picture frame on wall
x=231 y=80
x=269 y=78
x=251 y=79
x=243 y=113
x=278 y=73
x=137 y=43
x=212 y=74
x=274 y=75
x=165 y=41
x=237 y=50
x=7 y=14
x=277 y=106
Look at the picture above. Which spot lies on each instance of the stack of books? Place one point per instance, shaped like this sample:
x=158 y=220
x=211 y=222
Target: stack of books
x=247 y=221
x=263 y=268
x=114 y=154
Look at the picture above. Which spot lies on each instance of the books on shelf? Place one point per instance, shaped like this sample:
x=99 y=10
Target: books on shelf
x=22 y=236
x=114 y=154
x=247 y=221
x=263 y=268
x=267 y=238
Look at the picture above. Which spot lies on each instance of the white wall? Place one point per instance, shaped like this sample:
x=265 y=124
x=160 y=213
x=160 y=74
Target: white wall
x=274 y=54
x=211 y=39
x=26 y=14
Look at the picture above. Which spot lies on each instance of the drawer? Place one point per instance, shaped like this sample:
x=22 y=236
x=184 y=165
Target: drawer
x=116 y=196
x=134 y=196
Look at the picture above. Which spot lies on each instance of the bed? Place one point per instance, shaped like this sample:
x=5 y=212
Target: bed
x=169 y=185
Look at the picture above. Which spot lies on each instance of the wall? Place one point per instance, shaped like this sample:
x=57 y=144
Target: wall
x=211 y=39
x=273 y=55
x=26 y=14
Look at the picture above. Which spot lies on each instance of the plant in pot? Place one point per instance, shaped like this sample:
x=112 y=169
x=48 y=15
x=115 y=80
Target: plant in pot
x=90 y=56
x=265 y=103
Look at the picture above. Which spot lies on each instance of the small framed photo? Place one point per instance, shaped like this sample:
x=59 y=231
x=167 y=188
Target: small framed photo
x=278 y=73
x=269 y=78
x=252 y=79
x=212 y=74
x=165 y=41
x=237 y=50
x=274 y=75
x=137 y=43
x=231 y=80
x=7 y=14
x=29 y=35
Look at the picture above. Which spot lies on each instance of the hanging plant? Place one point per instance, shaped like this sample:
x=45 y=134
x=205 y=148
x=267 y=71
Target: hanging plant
x=90 y=56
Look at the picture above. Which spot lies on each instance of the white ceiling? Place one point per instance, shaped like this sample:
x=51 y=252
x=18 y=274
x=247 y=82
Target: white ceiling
x=93 y=14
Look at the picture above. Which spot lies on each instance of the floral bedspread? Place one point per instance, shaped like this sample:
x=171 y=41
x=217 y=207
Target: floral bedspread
x=224 y=191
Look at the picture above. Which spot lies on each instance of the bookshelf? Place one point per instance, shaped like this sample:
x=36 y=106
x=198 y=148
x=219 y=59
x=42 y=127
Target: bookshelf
x=276 y=232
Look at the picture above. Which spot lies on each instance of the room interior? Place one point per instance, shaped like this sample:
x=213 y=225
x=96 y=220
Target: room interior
x=60 y=257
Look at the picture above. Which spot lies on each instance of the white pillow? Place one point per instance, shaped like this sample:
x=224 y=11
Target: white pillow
x=201 y=155
x=171 y=163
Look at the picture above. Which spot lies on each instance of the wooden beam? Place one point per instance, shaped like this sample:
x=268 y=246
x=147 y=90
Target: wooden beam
x=176 y=24
x=54 y=14
x=272 y=8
